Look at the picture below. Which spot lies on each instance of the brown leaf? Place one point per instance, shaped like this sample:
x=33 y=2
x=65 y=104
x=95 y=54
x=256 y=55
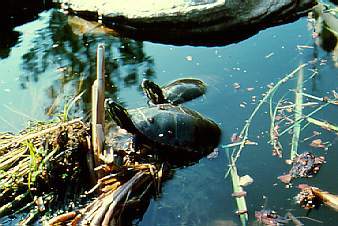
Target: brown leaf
x=285 y=178
x=317 y=143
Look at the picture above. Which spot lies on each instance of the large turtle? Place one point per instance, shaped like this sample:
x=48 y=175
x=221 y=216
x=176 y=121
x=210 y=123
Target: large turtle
x=167 y=126
x=176 y=92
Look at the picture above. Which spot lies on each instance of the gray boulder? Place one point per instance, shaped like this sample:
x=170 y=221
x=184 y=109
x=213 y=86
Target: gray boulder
x=190 y=21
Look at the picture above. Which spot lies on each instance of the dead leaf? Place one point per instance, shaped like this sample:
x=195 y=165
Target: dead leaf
x=285 y=178
x=245 y=180
x=317 y=144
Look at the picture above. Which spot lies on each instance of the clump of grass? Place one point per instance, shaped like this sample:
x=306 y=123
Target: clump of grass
x=44 y=159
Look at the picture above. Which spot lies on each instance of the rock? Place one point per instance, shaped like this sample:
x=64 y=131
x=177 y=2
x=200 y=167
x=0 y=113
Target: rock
x=187 y=21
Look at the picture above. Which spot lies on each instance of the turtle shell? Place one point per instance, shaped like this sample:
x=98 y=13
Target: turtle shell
x=177 y=127
x=182 y=90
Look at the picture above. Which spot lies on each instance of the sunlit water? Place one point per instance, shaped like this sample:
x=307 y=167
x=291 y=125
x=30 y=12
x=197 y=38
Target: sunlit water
x=50 y=64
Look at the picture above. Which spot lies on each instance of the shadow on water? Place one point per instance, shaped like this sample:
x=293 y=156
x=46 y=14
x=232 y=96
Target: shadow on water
x=15 y=15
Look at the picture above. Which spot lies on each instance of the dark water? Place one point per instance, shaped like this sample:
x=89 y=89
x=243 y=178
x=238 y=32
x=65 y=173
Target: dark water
x=50 y=63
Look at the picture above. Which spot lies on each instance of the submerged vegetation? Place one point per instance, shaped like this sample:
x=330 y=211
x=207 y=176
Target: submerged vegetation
x=278 y=118
x=290 y=118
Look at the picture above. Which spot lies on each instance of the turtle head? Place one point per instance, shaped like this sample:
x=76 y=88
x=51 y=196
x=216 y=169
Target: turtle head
x=120 y=115
x=153 y=92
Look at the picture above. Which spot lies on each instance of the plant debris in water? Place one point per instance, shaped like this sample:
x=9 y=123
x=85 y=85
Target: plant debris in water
x=41 y=167
x=304 y=165
x=311 y=197
x=270 y=217
x=127 y=177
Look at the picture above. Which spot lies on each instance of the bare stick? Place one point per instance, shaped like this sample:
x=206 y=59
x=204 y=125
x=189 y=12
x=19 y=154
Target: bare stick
x=294 y=220
x=325 y=125
x=98 y=114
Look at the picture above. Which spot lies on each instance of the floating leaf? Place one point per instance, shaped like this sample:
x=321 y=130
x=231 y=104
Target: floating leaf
x=245 y=180
x=318 y=143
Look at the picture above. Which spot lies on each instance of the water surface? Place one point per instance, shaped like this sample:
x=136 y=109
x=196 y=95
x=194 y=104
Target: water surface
x=50 y=63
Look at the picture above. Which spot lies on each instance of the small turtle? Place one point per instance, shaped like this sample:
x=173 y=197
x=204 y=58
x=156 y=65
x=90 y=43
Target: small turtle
x=167 y=126
x=176 y=92
x=304 y=165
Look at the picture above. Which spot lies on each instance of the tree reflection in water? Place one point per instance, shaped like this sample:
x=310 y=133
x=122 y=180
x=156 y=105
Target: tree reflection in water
x=74 y=56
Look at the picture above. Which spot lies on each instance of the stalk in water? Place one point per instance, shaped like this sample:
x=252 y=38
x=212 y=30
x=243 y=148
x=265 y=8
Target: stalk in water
x=298 y=115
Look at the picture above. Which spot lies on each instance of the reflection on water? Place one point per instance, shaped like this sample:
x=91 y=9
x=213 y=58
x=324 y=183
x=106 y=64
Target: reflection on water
x=71 y=59
x=51 y=62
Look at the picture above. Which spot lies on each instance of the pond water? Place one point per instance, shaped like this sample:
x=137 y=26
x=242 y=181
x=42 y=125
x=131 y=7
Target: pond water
x=51 y=63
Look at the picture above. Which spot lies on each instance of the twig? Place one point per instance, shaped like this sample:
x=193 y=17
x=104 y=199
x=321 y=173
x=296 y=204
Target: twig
x=294 y=220
x=325 y=125
x=293 y=105
x=319 y=98
x=311 y=219
x=274 y=134
x=300 y=120
x=62 y=218
x=7 y=207
x=109 y=204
